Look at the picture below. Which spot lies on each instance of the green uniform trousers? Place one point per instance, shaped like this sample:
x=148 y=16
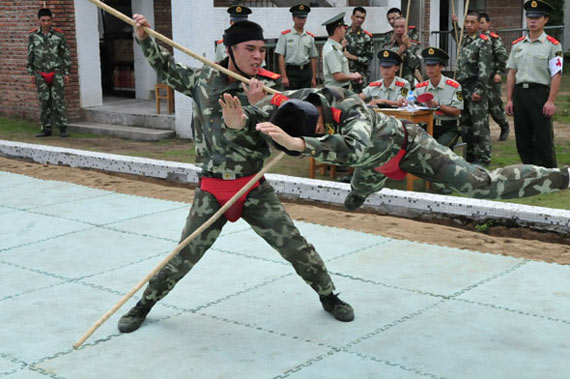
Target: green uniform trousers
x=52 y=102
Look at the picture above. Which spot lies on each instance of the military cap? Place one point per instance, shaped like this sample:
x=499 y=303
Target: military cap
x=300 y=10
x=388 y=58
x=337 y=20
x=44 y=12
x=297 y=118
x=433 y=55
x=537 y=8
x=242 y=31
x=238 y=12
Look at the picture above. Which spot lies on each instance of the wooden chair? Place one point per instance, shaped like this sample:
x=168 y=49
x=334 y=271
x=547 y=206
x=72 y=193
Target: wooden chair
x=168 y=96
x=314 y=166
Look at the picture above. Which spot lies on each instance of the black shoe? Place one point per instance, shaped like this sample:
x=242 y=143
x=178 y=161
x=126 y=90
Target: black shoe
x=345 y=179
x=338 y=308
x=353 y=201
x=504 y=133
x=133 y=319
x=64 y=134
x=44 y=133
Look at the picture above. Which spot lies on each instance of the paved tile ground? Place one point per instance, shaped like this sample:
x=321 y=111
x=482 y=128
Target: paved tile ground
x=68 y=253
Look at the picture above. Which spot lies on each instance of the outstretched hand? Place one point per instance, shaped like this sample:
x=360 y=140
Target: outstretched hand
x=280 y=137
x=232 y=112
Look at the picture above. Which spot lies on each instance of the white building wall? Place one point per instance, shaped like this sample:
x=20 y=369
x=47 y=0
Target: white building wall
x=196 y=24
x=145 y=76
x=88 y=59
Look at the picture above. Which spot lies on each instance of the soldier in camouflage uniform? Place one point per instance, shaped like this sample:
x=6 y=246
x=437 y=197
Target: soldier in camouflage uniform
x=409 y=50
x=49 y=65
x=359 y=48
x=391 y=90
x=381 y=146
x=391 y=16
x=230 y=158
x=474 y=66
x=500 y=56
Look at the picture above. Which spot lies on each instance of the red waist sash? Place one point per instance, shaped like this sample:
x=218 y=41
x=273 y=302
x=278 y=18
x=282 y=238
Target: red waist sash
x=48 y=76
x=392 y=168
x=223 y=190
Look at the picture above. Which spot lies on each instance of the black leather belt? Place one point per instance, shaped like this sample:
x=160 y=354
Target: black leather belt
x=446 y=123
x=532 y=85
x=297 y=67
x=217 y=175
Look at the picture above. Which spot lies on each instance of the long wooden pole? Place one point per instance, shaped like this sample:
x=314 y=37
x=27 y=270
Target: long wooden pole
x=406 y=31
x=461 y=36
x=454 y=23
x=215 y=216
x=176 y=45
x=177 y=249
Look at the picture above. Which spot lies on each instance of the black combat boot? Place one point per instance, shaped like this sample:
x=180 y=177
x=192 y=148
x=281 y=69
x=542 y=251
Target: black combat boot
x=353 y=201
x=133 y=319
x=63 y=133
x=338 y=308
x=504 y=133
x=44 y=133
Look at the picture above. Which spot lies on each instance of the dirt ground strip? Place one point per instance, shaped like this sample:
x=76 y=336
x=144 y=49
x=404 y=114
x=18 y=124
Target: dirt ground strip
x=516 y=242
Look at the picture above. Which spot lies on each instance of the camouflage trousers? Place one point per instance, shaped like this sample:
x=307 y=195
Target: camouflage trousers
x=357 y=87
x=427 y=159
x=52 y=102
x=474 y=126
x=266 y=215
x=496 y=106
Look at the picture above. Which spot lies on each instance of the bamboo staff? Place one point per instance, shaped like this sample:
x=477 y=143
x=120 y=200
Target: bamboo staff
x=176 y=45
x=461 y=35
x=216 y=215
x=406 y=31
x=454 y=23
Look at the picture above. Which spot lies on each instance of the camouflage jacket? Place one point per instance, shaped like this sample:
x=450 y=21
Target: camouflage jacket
x=412 y=34
x=475 y=62
x=361 y=45
x=223 y=152
x=358 y=137
x=48 y=53
x=500 y=55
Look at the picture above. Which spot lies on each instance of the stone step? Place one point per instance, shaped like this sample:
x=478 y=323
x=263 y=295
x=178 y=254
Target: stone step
x=122 y=131
x=130 y=117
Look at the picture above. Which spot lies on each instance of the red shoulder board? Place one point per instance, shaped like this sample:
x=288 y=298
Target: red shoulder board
x=286 y=31
x=268 y=74
x=219 y=41
x=411 y=27
x=33 y=30
x=375 y=84
x=452 y=83
x=57 y=30
x=311 y=34
x=278 y=99
x=414 y=41
x=553 y=40
x=422 y=84
x=367 y=33
x=518 y=40
x=483 y=36
x=400 y=84
x=494 y=35
x=336 y=113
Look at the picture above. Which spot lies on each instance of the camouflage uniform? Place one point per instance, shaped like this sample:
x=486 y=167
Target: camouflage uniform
x=474 y=67
x=226 y=153
x=361 y=45
x=50 y=53
x=413 y=35
x=500 y=56
x=411 y=57
x=365 y=139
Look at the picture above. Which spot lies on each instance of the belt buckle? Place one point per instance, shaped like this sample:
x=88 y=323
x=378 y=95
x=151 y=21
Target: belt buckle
x=228 y=175
x=525 y=85
x=302 y=67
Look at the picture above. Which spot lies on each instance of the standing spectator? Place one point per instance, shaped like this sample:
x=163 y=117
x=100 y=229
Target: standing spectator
x=474 y=66
x=391 y=90
x=500 y=56
x=533 y=80
x=237 y=13
x=49 y=65
x=335 y=64
x=297 y=52
x=406 y=48
x=447 y=96
x=359 y=48
x=391 y=16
